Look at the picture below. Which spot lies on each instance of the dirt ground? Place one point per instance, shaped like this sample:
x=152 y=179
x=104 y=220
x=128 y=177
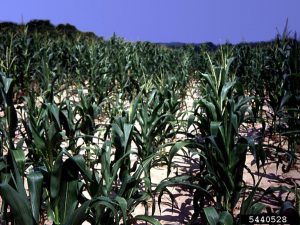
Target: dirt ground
x=182 y=210
x=183 y=207
x=271 y=175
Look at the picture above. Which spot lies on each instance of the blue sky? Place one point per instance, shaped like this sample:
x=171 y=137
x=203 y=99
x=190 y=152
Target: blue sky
x=195 y=21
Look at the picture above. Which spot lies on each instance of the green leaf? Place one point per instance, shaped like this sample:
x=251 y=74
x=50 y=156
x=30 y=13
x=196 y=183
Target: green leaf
x=287 y=206
x=256 y=208
x=56 y=174
x=173 y=151
x=55 y=112
x=18 y=178
x=7 y=90
x=225 y=89
x=248 y=203
x=38 y=140
x=106 y=202
x=19 y=205
x=229 y=62
x=234 y=122
x=226 y=218
x=117 y=165
x=148 y=219
x=133 y=108
x=212 y=215
x=79 y=162
x=35 y=184
x=210 y=107
x=127 y=134
x=123 y=205
x=8 y=84
x=171 y=196
x=172 y=181
x=79 y=215
x=145 y=164
x=191 y=120
x=214 y=128
x=67 y=199
x=285 y=99
x=12 y=120
x=19 y=157
x=211 y=83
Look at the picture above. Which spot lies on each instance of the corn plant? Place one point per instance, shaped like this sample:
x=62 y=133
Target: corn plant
x=12 y=190
x=156 y=126
x=24 y=53
x=226 y=108
x=103 y=182
x=117 y=188
x=13 y=168
x=156 y=117
x=221 y=111
x=7 y=64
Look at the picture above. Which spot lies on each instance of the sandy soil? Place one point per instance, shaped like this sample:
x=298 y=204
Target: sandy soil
x=182 y=210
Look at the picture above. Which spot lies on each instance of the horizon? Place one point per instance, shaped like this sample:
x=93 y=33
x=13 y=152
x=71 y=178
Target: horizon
x=194 y=22
x=294 y=34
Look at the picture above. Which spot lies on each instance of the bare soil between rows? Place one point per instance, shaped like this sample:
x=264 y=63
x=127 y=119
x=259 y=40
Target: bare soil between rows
x=180 y=212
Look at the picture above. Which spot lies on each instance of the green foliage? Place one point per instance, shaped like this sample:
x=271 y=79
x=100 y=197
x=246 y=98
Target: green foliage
x=84 y=121
x=225 y=109
x=213 y=218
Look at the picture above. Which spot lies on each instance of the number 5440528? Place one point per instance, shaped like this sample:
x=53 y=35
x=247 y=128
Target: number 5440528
x=262 y=219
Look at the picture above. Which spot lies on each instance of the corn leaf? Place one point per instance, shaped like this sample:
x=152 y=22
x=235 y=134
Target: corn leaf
x=35 y=185
x=148 y=219
x=123 y=205
x=211 y=215
x=79 y=215
x=19 y=205
x=226 y=218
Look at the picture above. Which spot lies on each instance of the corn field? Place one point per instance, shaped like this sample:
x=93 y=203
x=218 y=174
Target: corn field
x=84 y=121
